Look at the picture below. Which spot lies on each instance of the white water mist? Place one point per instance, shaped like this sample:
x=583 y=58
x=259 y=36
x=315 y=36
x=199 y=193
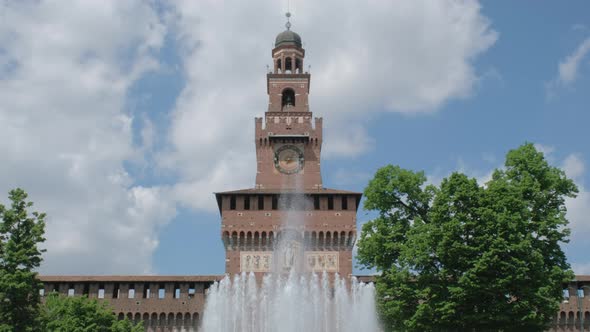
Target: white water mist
x=290 y=303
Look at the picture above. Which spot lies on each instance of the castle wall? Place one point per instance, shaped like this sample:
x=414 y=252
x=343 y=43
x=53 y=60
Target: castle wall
x=162 y=303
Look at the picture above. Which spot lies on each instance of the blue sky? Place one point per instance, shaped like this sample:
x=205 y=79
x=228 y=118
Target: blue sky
x=121 y=120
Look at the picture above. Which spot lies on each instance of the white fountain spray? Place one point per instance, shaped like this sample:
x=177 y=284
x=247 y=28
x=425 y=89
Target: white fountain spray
x=288 y=300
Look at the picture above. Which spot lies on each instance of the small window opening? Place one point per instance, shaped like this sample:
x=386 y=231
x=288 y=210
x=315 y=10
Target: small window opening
x=316 y=202
x=247 y=203
x=55 y=288
x=176 y=291
x=146 y=291
x=260 y=202
x=71 y=290
x=131 y=293
x=116 y=291
x=232 y=202
x=101 y=291
x=288 y=65
x=86 y=290
x=191 y=290
x=279 y=65
x=288 y=98
x=275 y=202
x=161 y=291
x=330 y=202
x=344 y=202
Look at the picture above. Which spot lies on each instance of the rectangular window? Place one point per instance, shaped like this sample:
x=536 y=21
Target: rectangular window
x=116 y=291
x=247 y=203
x=330 y=202
x=232 y=202
x=131 y=293
x=161 y=291
x=260 y=202
x=146 y=291
x=316 y=202
x=176 y=291
x=71 y=290
x=101 y=291
x=42 y=292
x=344 y=202
x=275 y=202
x=191 y=291
x=86 y=289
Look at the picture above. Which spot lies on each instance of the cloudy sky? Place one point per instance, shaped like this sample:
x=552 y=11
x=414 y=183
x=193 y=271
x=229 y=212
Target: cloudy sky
x=121 y=118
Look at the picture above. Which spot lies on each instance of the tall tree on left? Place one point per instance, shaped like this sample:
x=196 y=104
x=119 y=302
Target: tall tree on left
x=21 y=232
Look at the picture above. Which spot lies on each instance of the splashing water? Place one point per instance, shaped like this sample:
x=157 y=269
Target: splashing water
x=293 y=303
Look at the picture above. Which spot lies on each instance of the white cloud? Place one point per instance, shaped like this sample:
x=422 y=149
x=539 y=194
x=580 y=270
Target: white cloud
x=64 y=76
x=547 y=150
x=573 y=166
x=569 y=67
x=408 y=56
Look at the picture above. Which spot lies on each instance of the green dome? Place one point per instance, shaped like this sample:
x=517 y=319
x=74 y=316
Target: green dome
x=288 y=37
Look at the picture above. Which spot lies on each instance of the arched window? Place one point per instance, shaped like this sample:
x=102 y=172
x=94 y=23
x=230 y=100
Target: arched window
x=298 y=66
x=288 y=97
x=288 y=65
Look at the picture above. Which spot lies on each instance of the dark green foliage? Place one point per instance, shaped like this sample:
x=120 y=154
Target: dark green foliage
x=467 y=257
x=79 y=314
x=20 y=234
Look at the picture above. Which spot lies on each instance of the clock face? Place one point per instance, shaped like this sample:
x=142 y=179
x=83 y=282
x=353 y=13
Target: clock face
x=289 y=159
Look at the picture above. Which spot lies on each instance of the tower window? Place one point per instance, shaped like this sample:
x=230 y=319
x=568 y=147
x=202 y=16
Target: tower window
x=288 y=65
x=191 y=290
x=345 y=202
x=131 y=291
x=316 y=202
x=115 y=291
x=260 y=202
x=176 y=291
x=161 y=291
x=101 y=291
x=330 y=202
x=288 y=97
x=86 y=289
x=298 y=66
x=246 y=202
x=146 y=291
x=275 y=202
x=232 y=202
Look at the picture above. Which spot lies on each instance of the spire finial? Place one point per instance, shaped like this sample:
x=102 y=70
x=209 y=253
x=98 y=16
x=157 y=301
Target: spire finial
x=288 y=25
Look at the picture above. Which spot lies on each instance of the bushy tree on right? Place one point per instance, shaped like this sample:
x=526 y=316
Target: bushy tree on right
x=467 y=256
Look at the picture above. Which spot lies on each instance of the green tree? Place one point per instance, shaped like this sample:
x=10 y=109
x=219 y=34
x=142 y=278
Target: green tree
x=464 y=256
x=80 y=314
x=20 y=234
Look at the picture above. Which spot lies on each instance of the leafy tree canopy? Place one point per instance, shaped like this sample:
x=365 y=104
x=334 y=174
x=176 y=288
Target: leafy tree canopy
x=465 y=256
x=20 y=234
x=80 y=314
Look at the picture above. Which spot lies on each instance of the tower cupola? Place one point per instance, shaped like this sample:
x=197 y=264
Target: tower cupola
x=288 y=52
x=288 y=37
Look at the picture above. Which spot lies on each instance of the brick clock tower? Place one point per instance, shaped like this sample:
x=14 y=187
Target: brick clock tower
x=288 y=220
